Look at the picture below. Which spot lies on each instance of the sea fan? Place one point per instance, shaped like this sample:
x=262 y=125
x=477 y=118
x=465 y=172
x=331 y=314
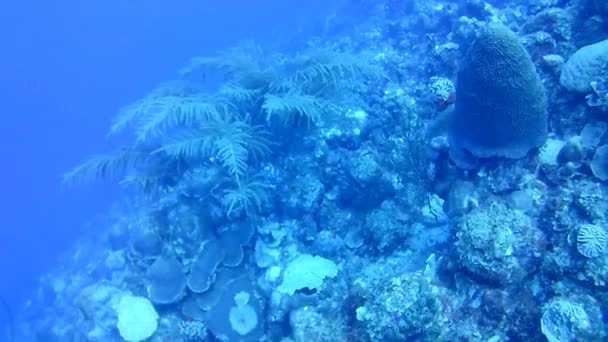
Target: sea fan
x=239 y=94
x=231 y=142
x=243 y=65
x=326 y=66
x=143 y=182
x=157 y=101
x=248 y=194
x=105 y=166
x=175 y=112
x=294 y=105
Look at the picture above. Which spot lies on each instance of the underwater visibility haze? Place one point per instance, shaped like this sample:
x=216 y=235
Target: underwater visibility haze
x=314 y=171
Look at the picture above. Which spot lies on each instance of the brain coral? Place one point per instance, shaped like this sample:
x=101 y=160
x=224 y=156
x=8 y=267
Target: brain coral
x=591 y=240
x=501 y=104
x=585 y=65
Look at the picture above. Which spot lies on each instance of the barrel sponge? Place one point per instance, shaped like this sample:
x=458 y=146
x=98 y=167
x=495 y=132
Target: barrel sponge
x=501 y=108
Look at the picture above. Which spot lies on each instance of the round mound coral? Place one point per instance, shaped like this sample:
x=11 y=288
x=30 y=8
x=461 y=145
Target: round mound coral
x=572 y=319
x=498 y=244
x=501 y=104
x=398 y=308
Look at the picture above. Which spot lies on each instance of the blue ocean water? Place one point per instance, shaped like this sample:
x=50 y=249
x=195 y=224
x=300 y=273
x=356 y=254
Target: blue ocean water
x=346 y=170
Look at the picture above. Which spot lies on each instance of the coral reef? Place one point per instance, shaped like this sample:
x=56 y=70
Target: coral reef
x=432 y=172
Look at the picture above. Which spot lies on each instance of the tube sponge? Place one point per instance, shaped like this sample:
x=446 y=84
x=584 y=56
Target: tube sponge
x=501 y=108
